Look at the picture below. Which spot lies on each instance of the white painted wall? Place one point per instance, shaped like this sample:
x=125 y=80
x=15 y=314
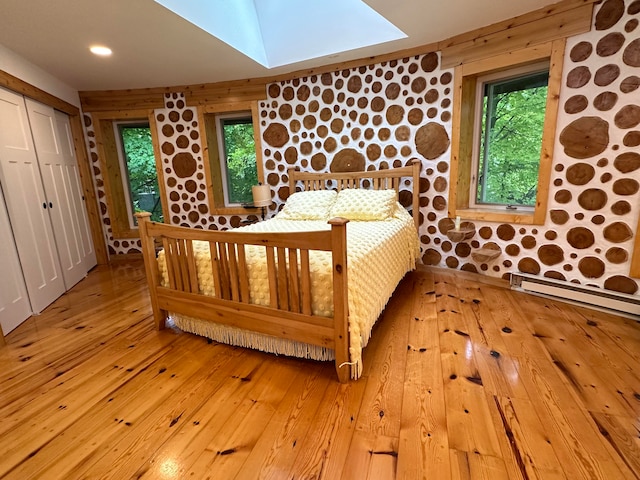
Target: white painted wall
x=18 y=66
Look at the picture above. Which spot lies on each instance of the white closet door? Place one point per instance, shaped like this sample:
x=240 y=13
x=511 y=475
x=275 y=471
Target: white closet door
x=14 y=302
x=26 y=203
x=77 y=205
x=60 y=176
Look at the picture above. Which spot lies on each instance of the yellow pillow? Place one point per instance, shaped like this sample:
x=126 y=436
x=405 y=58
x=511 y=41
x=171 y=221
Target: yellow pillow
x=362 y=204
x=309 y=205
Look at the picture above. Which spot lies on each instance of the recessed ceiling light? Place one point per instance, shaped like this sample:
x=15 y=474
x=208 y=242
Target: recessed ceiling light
x=100 y=50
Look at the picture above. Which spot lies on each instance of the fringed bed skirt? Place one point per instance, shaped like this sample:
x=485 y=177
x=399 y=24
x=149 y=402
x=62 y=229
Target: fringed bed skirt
x=247 y=339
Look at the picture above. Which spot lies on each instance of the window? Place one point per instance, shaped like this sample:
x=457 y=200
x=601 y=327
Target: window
x=132 y=174
x=508 y=137
x=237 y=151
x=504 y=118
x=138 y=165
x=233 y=157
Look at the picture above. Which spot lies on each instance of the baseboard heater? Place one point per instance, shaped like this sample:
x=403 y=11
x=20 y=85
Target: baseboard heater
x=620 y=303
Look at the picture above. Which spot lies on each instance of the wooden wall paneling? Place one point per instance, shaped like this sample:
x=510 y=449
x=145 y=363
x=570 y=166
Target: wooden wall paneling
x=528 y=17
x=226 y=92
x=257 y=138
x=210 y=156
x=549 y=131
x=110 y=167
x=507 y=60
x=117 y=100
x=89 y=193
x=19 y=86
x=521 y=32
x=461 y=141
x=106 y=142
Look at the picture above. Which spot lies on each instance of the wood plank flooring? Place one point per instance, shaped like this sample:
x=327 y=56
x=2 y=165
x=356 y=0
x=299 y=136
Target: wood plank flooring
x=462 y=380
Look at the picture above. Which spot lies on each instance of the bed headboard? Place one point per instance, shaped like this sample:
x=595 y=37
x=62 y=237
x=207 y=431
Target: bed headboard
x=374 y=179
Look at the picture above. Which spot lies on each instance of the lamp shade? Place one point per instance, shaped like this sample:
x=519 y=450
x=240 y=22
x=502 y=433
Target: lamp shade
x=261 y=195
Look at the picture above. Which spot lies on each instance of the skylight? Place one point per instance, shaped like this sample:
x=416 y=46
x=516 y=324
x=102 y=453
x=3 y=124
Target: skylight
x=281 y=32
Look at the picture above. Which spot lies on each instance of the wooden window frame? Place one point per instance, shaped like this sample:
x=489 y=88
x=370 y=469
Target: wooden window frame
x=112 y=173
x=118 y=126
x=212 y=167
x=462 y=144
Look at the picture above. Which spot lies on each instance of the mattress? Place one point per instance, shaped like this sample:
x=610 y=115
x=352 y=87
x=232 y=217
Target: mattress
x=379 y=254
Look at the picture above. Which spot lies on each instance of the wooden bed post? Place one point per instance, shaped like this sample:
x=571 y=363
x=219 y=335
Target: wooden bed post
x=416 y=166
x=340 y=297
x=292 y=181
x=151 y=268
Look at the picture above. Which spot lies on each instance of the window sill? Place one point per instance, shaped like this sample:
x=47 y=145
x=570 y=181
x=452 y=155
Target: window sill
x=494 y=215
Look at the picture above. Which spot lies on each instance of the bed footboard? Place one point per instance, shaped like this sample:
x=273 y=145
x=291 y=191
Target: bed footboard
x=288 y=314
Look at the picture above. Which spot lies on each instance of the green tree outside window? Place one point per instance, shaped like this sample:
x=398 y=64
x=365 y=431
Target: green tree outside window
x=142 y=177
x=240 y=154
x=510 y=141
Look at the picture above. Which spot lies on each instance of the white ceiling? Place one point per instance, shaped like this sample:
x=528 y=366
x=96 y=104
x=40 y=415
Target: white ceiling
x=153 y=47
x=254 y=27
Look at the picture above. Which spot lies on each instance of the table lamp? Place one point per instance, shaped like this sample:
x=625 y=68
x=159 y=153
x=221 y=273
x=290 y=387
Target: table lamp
x=261 y=196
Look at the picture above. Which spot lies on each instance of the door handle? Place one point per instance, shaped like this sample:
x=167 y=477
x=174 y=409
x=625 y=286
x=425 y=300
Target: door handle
x=44 y=205
x=50 y=205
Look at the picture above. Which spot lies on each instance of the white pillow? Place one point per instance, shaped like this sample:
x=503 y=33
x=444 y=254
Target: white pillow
x=308 y=205
x=362 y=204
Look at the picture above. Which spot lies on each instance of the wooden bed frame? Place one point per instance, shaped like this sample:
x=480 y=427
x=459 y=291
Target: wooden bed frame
x=289 y=313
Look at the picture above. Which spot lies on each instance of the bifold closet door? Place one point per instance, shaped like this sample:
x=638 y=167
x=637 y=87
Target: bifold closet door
x=77 y=206
x=27 y=204
x=14 y=302
x=59 y=169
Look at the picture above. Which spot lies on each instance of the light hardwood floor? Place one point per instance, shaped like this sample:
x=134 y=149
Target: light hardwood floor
x=463 y=380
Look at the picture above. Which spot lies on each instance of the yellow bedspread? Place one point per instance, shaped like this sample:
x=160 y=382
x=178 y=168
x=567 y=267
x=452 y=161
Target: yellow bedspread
x=379 y=254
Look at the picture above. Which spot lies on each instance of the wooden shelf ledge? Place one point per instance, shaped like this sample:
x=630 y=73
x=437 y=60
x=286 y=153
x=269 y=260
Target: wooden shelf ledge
x=467 y=230
x=483 y=255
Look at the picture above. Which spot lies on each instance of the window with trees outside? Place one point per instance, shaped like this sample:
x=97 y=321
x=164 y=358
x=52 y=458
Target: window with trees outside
x=508 y=131
x=503 y=125
x=138 y=167
x=233 y=157
x=237 y=151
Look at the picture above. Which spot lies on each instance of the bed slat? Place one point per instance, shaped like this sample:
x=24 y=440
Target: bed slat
x=244 y=275
x=283 y=290
x=294 y=282
x=215 y=267
x=191 y=265
x=183 y=261
x=225 y=288
x=305 y=274
x=165 y=247
x=273 y=281
x=170 y=260
x=234 y=278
